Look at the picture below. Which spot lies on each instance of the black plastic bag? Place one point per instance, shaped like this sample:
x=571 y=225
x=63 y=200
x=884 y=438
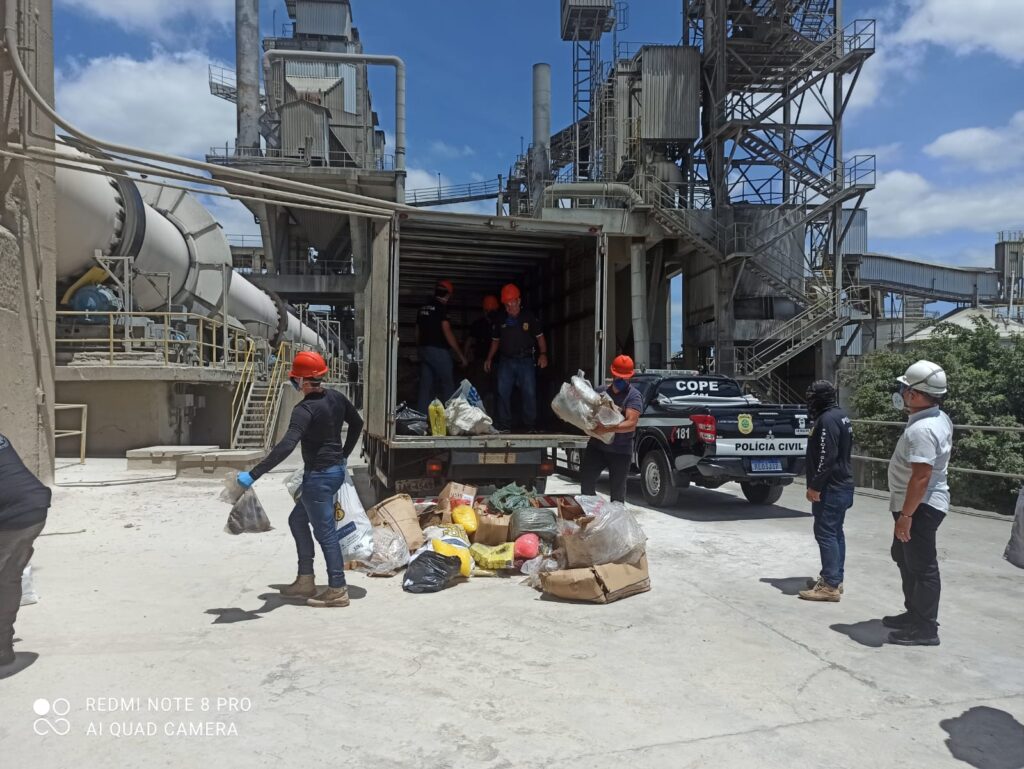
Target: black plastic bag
x=247 y=515
x=430 y=572
x=409 y=421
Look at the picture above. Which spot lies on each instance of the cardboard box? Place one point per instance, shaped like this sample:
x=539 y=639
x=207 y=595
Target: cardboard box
x=568 y=508
x=398 y=513
x=429 y=516
x=598 y=584
x=491 y=529
x=453 y=495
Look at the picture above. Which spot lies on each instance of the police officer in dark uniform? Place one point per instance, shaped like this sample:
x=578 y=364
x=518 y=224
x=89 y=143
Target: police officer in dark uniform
x=435 y=338
x=517 y=333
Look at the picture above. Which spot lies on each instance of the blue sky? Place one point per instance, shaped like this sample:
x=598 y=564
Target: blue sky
x=940 y=103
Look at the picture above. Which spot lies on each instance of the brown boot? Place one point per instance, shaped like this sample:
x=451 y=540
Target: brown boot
x=332 y=596
x=811 y=583
x=821 y=592
x=304 y=586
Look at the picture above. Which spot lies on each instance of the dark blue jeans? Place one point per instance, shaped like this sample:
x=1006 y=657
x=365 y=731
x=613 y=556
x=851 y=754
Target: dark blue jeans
x=521 y=373
x=315 y=509
x=436 y=378
x=829 y=515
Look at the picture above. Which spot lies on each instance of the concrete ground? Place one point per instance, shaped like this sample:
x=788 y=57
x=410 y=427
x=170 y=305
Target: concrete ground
x=720 y=665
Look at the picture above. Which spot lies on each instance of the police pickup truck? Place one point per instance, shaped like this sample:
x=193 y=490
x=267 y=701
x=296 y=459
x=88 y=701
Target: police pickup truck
x=702 y=429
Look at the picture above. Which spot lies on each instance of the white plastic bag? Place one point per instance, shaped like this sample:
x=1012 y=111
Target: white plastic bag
x=293 y=482
x=465 y=419
x=28 y=593
x=613 y=536
x=467 y=393
x=1014 y=552
x=390 y=553
x=355 y=533
x=535 y=567
x=580 y=405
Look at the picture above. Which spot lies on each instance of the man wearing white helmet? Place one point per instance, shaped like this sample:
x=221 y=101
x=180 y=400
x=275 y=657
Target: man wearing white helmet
x=919 y=501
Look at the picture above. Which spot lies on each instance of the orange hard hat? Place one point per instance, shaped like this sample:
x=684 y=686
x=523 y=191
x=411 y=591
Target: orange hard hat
x=509 y=292
x=308 y=365
x=491 y=303
x=447 y=285
x=622 y=367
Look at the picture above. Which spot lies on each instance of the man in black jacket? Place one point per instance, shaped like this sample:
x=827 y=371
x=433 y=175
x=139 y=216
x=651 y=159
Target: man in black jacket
x=316 y=422
x=829 y=487
x=24 y=502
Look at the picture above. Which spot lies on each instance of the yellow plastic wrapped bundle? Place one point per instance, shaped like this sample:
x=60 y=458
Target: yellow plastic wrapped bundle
x=438 y=421
x=441 y=547
x=465 y=516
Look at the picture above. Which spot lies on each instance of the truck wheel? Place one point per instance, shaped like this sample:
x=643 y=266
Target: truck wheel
x=761 y=494
x=656 y=480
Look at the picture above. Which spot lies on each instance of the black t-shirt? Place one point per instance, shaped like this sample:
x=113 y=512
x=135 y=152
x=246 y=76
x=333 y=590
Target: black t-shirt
x=317 y=422
x=429 y=320
x=24 y=500
x=517 y=335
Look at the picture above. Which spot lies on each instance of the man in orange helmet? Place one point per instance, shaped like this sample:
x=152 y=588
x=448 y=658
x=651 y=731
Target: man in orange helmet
x=617 y=455
x=436 y=344
x=478 y=345
x=316 y=422
x=516 y=334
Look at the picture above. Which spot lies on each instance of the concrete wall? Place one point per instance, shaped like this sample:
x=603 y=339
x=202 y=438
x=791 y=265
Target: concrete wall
x=125 y=415
x=28 y=253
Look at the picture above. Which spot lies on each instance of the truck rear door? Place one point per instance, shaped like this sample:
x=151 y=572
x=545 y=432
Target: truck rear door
x=766 y=438
x=380 y=345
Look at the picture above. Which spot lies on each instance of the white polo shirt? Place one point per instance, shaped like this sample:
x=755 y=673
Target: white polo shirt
x=927 y=440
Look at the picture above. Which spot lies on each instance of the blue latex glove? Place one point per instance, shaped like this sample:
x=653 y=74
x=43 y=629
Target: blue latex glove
x=245 y=480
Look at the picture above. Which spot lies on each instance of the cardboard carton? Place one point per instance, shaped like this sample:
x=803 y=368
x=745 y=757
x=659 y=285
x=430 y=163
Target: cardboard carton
x=598 y=584
x=491 y=529
x=453 y=495
x=398 y=513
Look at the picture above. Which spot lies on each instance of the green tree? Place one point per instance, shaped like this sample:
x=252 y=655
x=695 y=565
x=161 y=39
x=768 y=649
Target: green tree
x=986 y=387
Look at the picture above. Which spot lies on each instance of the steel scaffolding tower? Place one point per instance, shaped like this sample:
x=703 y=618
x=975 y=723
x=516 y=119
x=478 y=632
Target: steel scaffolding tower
x=776 y=83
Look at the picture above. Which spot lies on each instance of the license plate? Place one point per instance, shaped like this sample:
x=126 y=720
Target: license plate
x=766 y=465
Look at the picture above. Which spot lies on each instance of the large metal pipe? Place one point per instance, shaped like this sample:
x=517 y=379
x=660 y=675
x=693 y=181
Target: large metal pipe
x=638 y=295
x=360 y=58
x=96 y=213
x=247 y=77
x=540 y=151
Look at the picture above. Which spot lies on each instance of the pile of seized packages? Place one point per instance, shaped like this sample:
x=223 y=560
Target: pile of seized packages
x=576 y=548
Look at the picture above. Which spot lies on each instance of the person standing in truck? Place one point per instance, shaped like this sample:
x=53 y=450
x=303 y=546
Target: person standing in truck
x=478 y=345
x=517 y=334
x=829 y=487
x=24 y=503
x=616 y=456
x=919 y=501
x=437 y=343
x=316 y=422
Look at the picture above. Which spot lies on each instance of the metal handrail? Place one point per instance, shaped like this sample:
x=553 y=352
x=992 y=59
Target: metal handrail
x=276 y=380
x=242 y=389
x=81 y=432
x=228 y=155
x=440 y=194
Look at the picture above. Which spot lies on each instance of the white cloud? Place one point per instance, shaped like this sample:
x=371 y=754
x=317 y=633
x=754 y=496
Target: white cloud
x=905 y=204
x=444 y=150
x=992 y=26
x=161 y=103
x=884 y=153
x=233 y=216
x=982 y=148
x=154 y=15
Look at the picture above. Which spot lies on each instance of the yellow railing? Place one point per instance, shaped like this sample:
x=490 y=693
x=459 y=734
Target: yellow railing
x=81 y=432
x=247 y=377
x=276 y=379
x=116 y=333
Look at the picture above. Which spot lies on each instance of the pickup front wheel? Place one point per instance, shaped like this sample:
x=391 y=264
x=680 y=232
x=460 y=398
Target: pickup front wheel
x=656 y=480
x=761 y=494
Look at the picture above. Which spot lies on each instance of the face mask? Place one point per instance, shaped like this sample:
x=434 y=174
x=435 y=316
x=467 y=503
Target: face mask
x=897 y=400
x=620 y=384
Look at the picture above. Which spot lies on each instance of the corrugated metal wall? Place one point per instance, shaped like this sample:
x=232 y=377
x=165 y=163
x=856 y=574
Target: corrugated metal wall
x=301 y=120
x=671 y=93
x=929 y=280
x=323 y=17
x=856 y=240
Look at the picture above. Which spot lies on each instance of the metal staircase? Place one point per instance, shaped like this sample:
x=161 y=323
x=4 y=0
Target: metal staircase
x=455 y=193
x=224 y=85
x=251 y=432
x=257 y=402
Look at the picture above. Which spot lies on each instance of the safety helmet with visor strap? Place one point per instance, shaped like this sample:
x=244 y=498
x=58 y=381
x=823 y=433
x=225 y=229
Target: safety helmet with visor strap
x=307 y=365
x=925 y=377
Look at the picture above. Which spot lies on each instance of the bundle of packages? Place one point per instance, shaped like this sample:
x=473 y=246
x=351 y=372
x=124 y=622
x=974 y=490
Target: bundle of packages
x=464 y=412
x=581 y=406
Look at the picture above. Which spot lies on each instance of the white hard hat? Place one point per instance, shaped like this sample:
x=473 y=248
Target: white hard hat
x=926 y=377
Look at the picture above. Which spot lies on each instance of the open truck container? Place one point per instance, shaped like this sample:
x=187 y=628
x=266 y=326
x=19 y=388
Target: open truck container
x=560 y=269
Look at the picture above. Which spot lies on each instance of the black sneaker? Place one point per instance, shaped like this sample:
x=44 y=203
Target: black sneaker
x=898 y=621
x=910 y=637
x=6 y=656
